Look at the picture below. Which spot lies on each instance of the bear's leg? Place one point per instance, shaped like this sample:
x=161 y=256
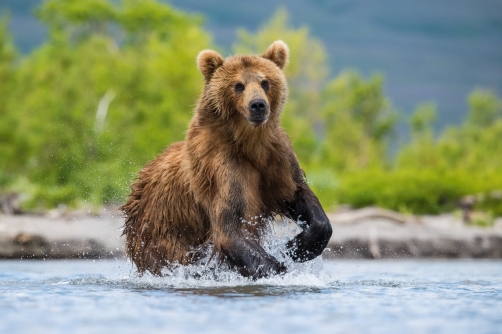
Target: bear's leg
x=241 y=250
x=250 y=259
x=316 y=226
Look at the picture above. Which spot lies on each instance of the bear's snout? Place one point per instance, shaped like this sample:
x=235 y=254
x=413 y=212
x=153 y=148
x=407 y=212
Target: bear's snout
x=258 y=109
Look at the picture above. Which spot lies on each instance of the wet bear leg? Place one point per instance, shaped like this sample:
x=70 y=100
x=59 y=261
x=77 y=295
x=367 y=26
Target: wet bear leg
x=317 y=230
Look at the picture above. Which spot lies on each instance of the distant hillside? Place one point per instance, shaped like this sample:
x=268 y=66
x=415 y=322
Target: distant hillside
x=428 y=50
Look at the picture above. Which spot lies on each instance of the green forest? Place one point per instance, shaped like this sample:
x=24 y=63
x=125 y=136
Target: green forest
x=116 y=82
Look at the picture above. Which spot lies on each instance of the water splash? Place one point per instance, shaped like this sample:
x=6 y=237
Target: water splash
x=207 y=273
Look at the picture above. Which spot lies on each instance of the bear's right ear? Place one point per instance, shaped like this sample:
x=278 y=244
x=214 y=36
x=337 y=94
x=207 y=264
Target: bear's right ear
x=208 y=61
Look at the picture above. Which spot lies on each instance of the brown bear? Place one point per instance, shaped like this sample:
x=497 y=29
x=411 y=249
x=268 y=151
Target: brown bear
x=235 y=165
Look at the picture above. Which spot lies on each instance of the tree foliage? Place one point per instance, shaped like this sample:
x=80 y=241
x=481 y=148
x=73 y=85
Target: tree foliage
x=101 y=97
x=116 y=82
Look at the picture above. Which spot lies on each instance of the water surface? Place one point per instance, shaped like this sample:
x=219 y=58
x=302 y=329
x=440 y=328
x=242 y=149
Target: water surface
x=321 y=297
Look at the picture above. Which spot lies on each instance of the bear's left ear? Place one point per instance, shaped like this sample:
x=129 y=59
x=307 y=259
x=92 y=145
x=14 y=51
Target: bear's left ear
x=208 y=61
x=278 y=53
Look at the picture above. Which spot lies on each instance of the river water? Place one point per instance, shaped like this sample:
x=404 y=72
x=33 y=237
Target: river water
x=319 y=297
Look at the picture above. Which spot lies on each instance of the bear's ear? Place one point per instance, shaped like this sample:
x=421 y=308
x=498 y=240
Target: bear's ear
x=277 y=52
x=208 y=61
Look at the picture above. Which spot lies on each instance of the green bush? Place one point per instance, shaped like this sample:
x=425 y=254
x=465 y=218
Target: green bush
x=410 y=191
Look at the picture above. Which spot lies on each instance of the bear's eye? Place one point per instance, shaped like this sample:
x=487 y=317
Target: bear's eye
x=265 y=85
x=239 y=87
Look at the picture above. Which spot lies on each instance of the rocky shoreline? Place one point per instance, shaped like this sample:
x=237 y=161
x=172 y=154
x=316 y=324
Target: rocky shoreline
x=444 y=237
x=61 y=236
x=357 y=234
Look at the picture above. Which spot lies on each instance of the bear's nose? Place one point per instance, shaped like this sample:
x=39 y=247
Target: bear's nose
x=257 y=106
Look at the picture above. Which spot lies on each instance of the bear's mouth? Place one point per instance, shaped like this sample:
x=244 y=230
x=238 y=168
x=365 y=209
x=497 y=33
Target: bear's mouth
x=257 y=121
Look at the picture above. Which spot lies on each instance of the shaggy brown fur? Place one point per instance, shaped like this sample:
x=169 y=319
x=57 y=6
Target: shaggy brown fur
x=236 y=164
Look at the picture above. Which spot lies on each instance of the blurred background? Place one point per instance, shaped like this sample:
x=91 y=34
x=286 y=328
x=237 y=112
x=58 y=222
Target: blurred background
x=391 y=105
x=395 y=113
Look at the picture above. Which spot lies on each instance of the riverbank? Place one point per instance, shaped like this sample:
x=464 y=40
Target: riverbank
x=357 y=234
x=75 y=235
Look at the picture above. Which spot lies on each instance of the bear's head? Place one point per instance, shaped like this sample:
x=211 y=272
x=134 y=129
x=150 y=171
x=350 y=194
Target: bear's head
x=245 y=88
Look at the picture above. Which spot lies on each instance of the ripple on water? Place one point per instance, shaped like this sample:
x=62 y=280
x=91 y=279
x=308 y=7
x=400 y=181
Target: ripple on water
x=318 y=296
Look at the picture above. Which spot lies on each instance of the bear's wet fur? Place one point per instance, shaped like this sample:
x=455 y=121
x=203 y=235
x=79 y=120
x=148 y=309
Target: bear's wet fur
x=235 y=168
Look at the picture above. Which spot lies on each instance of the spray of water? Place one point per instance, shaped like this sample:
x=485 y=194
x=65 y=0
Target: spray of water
x=209 y=273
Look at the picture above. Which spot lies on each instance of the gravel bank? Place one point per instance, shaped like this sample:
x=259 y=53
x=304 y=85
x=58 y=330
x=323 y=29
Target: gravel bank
x=58 y=237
